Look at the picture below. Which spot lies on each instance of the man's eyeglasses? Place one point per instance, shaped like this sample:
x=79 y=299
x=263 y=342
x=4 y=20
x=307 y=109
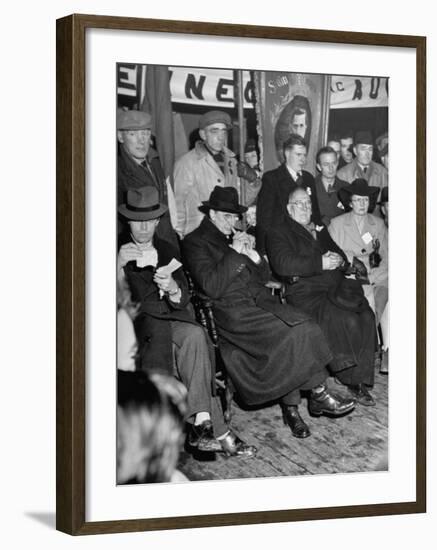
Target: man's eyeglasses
x=302 y=204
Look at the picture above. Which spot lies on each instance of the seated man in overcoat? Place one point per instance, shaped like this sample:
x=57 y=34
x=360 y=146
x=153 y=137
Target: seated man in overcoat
x=271 y=350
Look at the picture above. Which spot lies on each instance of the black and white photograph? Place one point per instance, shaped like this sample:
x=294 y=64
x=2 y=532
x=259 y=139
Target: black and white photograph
x=252 y=273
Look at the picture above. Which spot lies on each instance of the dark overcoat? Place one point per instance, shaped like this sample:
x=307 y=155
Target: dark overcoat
x=269 y=348
x=272 y=200
x=131 y=175
x=294 y=252
x=152 y=324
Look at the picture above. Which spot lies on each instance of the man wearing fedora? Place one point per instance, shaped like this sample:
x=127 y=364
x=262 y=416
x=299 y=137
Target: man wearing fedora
x=271 y=350
x=362 y=166
x=277 y=186
x=364 y=236
x=169 y=339
x=312 y=266
x=138 y=163
x=197 y=172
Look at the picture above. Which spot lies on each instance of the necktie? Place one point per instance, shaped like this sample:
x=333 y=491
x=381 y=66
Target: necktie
x=330 y=188
x=365 y=170
x=146 y=165
x=299 y=181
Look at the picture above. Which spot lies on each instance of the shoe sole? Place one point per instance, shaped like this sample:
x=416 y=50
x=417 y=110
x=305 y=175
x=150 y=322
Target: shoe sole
x=330 y=413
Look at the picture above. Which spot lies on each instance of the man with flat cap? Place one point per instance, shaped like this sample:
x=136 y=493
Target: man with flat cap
x=197 y=172
x=363 y=167
x=169 y=338
x=271 y=350
x=138 y=163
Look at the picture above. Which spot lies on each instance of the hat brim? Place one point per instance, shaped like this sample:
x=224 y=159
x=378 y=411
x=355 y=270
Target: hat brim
x=345 y=194
x=207 y=206
x=134 y=215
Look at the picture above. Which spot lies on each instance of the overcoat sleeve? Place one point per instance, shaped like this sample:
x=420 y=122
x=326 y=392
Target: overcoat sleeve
x=289 y=256
x=212 y=272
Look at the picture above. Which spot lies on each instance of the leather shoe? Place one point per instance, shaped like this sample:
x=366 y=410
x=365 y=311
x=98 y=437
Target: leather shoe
x=292 y=418
x=323 y=402
x=232 y=445
x=361 y=394
x=201 y=436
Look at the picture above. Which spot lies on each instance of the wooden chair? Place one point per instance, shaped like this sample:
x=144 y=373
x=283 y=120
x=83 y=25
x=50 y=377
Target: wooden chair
x=205 y=316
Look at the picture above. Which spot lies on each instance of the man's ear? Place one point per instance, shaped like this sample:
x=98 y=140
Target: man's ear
x=120 y=136
x=318 y=167
x=202 y=134
x=355 y=150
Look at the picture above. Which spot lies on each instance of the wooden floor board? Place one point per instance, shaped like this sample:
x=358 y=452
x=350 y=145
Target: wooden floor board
x=354 y=443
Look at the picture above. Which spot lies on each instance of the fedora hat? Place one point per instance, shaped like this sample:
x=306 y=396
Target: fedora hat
x=224 y=199
x=361 y=188
x=348 y=294
x=142 y=204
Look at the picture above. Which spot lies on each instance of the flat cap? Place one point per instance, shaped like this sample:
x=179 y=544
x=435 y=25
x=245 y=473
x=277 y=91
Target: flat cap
x=133 y=120
x=212 y=117
x=364 y=137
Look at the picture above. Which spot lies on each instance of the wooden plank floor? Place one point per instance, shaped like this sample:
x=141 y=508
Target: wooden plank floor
x=354 y=443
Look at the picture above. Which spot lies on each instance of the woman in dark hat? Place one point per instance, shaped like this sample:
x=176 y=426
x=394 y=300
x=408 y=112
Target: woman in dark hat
x=364 y=236
x=312 y=266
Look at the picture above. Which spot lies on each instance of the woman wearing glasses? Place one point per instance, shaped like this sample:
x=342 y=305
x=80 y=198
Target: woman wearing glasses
x=315 y=271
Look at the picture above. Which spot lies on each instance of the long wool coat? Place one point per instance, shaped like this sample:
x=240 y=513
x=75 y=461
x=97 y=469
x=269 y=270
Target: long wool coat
x=269 y=348
x=351 y=335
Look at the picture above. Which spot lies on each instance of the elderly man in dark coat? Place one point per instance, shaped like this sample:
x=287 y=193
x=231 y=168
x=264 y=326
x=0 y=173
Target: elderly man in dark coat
x=270 y=349
x=169 y=338
x=299 y=248
x=138 y=163
x=277 y=185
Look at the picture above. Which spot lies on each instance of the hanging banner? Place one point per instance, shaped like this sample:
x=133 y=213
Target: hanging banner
x=350 y=92
x=289 y=103
x=209 y=87
x=212 y=87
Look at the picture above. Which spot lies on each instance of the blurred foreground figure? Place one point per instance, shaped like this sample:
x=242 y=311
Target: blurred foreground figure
x=149 y=428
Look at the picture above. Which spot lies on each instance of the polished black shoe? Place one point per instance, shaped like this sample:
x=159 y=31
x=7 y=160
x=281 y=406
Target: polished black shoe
x=201 y=436
x=323 y=402
x=232 y=445
x=292 y=418
x=361 y=395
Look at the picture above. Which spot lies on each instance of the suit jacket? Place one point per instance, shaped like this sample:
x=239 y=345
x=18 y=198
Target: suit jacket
x=345 y=233
x=273 y=198
x=329 y=203
x=152 y=324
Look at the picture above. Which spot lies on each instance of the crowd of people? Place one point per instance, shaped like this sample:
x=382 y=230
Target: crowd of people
x=234 y=230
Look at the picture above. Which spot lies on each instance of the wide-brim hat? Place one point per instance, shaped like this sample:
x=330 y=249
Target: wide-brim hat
x=142 y=204
x=361 y=188
x=224 y=199
x=133 y=120
x=348 y=295
x=213 y=117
